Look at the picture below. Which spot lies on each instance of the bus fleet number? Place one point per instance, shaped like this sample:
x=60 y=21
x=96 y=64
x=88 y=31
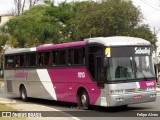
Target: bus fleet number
x=81 y=74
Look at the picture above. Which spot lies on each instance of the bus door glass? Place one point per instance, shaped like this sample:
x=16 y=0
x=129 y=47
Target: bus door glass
x=99 y=70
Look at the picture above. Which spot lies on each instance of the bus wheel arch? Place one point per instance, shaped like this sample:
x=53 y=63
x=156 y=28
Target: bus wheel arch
x=83 y=100
x=23 y=92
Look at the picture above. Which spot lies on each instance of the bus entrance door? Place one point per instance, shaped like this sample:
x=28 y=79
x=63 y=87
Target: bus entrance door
x=99 y=70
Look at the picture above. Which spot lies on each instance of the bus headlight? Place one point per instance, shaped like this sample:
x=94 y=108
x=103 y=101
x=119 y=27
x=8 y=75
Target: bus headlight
x=151 y=89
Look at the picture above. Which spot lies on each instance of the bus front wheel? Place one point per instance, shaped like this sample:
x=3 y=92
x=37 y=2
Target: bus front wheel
x=83 y=101
x=23 y=93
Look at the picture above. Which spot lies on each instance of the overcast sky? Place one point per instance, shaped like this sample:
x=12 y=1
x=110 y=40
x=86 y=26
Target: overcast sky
x=149 y=8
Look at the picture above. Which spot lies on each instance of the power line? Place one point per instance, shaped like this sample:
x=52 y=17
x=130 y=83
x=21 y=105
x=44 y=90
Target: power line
x=150 y=5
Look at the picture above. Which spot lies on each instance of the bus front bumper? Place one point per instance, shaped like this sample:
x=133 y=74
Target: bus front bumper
x=126 y=99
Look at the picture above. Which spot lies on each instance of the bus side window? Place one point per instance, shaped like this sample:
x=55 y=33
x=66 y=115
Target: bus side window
x=31 y=59
x=70 y=56
x=61 y=56
x=9 y=61
x=17 y=61
x=79 y=56
x=40 y=59
x=22 y=58
x=47 y=58
x=53 y=58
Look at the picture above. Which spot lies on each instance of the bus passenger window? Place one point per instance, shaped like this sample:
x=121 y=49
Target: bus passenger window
x=9 y=61
x=70 y=56
x=40 y=59
x=31 y=59
x=62 y=57
x=19 y=60
x=79 y=56
x=53 y=58
x=17 y=63
x=47 y=58
x=22 y=58
x=43 y=59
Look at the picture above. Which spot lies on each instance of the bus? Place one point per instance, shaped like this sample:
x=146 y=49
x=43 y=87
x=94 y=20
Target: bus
x=102 y=71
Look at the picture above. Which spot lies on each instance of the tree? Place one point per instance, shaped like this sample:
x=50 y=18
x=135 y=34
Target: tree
x=75 y=21
x=64 y=13
x=3 y=39
x=20 y=5
x=109 y=18
x=106 y=18
x=34 y=27
x=143 y=31
x=33 y=2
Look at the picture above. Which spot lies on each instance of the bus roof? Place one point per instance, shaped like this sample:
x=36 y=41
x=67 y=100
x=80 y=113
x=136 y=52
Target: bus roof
x=45 y=47
x=118 y=41
x=106 y=41
x=17 y=50
x=63 y=45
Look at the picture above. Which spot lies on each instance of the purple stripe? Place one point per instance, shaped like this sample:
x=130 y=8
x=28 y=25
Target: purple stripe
x=63 y=45
x=67 y=82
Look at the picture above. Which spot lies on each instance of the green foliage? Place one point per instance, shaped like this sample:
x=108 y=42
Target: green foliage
x=144 y=32
x=107 y=18
x=34 y=27
x=47 y=2
x=3 y=39
x=75 y=21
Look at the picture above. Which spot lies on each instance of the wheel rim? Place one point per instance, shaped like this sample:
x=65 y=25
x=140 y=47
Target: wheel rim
x=83 y=99
x=23 y=93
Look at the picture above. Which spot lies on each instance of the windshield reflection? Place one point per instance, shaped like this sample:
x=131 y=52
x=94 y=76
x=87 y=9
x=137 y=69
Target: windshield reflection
x=125 y=68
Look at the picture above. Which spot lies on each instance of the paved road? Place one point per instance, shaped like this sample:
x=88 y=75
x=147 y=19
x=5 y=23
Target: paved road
x=96 y=112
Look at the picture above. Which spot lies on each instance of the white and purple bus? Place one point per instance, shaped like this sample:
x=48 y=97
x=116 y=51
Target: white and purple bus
x=103 y=71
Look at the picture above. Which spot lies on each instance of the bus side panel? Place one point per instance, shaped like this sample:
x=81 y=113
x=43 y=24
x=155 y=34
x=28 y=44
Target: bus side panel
x=55 y=84
x=29 y=78
x=67 y=81
x=36 y=85
x=12 y=80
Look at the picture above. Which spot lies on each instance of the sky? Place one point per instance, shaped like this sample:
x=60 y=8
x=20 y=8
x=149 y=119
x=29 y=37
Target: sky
x=6 y=6
x=151 y=12
x=149 y=8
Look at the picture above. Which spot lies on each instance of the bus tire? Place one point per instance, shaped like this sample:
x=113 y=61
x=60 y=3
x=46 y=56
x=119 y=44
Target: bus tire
x=23 y=93
x=83 y=100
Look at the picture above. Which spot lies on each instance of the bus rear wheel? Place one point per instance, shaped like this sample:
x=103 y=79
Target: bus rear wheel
x=83 y=100
x=23 y=93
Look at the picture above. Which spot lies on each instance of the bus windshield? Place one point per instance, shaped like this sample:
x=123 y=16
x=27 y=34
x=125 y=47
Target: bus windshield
x=126 y=68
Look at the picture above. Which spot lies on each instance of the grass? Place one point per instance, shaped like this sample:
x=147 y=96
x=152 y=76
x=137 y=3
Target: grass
x=5 y=108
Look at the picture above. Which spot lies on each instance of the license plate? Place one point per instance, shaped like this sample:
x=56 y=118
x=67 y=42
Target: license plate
x=137 y=97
